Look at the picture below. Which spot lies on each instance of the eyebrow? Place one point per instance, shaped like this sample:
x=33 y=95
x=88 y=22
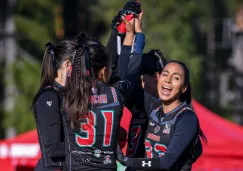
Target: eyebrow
x=173 y=73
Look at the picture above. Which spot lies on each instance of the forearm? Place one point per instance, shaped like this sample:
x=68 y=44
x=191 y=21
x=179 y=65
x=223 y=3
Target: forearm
x=127 y=83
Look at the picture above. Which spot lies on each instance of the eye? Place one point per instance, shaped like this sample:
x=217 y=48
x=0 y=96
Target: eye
x=164 y=74
x=176 y=78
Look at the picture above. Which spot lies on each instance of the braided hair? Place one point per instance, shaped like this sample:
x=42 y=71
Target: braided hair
x=90 y=57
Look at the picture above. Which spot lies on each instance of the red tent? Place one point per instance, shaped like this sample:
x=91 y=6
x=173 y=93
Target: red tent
x=224 y=150
x=21 y=151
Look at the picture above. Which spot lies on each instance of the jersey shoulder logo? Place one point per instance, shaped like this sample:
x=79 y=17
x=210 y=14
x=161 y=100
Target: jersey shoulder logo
x=49 y=103
x=151 y=123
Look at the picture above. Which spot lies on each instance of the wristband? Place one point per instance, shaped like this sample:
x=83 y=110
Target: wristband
x=139 y=43
x=143 y=163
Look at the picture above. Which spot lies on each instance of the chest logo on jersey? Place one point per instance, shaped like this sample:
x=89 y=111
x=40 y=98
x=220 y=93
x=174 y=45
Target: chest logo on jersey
x=167 y=129
x=107 y=159
x=156 y=129
x=153 y=137
x=49 y=103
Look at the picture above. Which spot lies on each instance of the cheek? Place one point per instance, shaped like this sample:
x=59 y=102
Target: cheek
x=178 y=86
x=160 y=81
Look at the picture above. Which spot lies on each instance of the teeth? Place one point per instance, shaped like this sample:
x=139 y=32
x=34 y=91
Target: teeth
x=166 y=87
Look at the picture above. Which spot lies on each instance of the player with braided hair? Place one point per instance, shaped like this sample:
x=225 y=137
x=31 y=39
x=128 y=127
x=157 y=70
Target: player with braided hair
x=93 y=109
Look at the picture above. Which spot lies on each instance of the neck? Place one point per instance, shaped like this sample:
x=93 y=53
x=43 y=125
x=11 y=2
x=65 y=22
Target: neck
x=169 y=106
x=60 y=81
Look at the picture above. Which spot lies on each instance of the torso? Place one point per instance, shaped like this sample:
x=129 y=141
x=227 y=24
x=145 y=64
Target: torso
x=160 y=130
x=93 y=146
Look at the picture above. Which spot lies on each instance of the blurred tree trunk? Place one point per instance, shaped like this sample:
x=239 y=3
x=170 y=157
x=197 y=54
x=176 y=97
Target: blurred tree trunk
x=8 y=55
x=78 y=17
x=3 y=4
x=70 y=18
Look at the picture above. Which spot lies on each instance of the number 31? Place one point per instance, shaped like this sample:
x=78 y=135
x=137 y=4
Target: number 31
x=89 y=128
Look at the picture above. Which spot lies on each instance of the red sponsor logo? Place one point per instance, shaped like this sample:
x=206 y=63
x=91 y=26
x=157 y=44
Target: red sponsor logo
x=153 y=137
x=98 y=99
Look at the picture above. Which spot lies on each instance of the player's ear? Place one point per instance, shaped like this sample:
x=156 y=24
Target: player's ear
x=156 y=75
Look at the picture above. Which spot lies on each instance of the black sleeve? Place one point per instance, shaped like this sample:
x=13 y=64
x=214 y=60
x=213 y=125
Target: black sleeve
x=129 y=78
x=142 y=100
x=138 y=95
x=114 y=46
x=49 y=123
x=128 y=81
x=186 y=129
x=123 y=60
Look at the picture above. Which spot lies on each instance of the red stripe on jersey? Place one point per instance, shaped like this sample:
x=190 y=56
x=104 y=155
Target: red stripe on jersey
x=113 y=91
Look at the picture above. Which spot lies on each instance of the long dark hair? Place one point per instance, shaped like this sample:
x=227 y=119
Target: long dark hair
x=90 y=57
x=53 y=58
x=186 y=96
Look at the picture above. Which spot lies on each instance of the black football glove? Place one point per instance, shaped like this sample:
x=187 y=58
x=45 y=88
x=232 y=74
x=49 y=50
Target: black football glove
x=131 y=7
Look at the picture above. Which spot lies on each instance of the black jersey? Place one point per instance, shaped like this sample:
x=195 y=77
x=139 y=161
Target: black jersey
x=93 y=146
x=48 y=119
x=172 y=140
x=160 y=130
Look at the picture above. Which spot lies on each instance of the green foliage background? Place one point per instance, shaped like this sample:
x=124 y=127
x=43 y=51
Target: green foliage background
x=168 y=25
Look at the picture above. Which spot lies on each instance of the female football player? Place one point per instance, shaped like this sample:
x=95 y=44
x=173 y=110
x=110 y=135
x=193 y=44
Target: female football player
x=46 y=104
x=172 y=138
x=93 y=109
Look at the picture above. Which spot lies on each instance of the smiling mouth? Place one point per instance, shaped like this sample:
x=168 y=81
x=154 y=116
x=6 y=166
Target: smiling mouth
x=166 y=90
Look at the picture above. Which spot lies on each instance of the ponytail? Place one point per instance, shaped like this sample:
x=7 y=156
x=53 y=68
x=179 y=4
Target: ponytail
x=53 y=59
x=202 y=136
x=48 y=71
x=79 y=84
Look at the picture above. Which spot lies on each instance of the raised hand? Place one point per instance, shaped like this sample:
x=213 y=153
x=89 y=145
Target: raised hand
x=138 y=23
